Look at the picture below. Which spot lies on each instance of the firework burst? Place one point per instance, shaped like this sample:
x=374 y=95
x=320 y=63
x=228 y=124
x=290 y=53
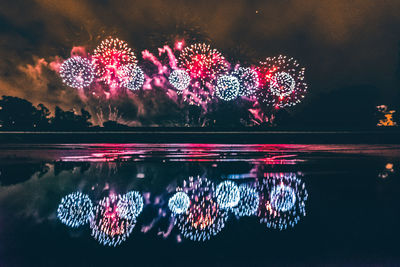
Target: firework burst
x=227 y=87
x=77 y=72
x=204 y=218
x=204 y=65
x=179 y=79
x=248 y=81
x=110 y=58
x=281 y=82
x=282 y=201
x=202 y=62
x=75 y=209
x=108 y=227
x=133 y=77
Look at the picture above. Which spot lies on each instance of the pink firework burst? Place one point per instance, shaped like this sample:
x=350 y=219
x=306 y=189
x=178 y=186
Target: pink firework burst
x=110 y=58
x=281 y=82
x=204 y=65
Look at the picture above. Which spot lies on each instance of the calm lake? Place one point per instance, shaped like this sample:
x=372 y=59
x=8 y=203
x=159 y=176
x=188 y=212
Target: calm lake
x=198 y=204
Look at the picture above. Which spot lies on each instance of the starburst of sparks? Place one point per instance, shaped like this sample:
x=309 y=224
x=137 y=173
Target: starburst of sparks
x=281 y=82
x=203 y=62
x=110 y=58
x=227 y=87
x=203 y=65
x=248 y=81
x=179 y=79
x=77 y=72
x=133 y=77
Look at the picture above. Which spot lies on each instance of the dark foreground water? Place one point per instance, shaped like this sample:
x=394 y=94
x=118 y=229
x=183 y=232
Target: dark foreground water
x=199 y=205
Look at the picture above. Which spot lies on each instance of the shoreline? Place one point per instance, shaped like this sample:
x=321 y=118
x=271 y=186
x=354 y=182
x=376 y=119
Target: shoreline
x=204 y=136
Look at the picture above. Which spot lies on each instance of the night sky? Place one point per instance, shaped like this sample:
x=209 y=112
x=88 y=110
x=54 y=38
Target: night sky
x=350 y=48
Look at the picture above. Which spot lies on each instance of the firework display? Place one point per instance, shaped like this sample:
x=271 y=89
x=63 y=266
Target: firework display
x=133 y=77
x=282 y=200
x=281 y=82
x=108 y=227
x=248 y=81
x=77 y=72
x=110 y=58
x=179 y=203
x=75 y=210
x=188 y=74
x=179 y=79
x=249 y=201
x=228 y=194
x=227 y=87
x=204 y=218
x=130 y=205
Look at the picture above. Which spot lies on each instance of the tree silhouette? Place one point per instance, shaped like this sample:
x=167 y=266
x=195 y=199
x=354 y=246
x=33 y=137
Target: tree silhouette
x=113 y=125
x=19 y=114
x=68 y=120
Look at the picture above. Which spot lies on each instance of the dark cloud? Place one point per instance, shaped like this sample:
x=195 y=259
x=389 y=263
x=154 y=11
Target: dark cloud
x=342 y=43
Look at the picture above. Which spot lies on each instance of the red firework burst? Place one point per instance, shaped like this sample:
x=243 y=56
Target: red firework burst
x=281 y=82
x=202 y=62
x=204 y=65
x=109 y=59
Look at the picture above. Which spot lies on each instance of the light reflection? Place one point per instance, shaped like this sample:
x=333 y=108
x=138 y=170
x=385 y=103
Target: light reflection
x=75 y=209
x=282 y=200
x=266 y=154
x=130 y=205
x=179 y=203
x=198 y=209
x=228 y=194
x=249 y=201
x=388 y=170
x=204 y=218
x=108 y=227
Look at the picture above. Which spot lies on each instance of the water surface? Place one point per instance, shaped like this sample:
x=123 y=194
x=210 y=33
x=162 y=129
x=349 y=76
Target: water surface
x=248 y=205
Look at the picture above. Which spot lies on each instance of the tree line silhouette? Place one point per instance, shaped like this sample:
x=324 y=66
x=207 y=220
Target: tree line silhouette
x=19 y=114
x=335 y=110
